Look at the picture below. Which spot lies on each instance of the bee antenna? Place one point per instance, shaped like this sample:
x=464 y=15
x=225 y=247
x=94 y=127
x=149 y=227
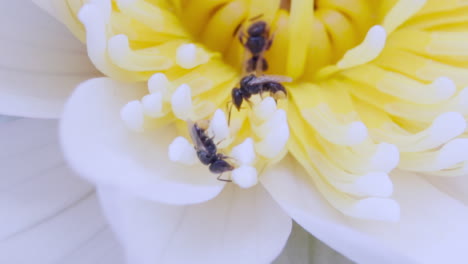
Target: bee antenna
x=221 y=179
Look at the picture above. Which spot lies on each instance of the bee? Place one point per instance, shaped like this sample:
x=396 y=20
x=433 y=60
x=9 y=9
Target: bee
x=256 y=41
x=251 y=85
x=207 y=151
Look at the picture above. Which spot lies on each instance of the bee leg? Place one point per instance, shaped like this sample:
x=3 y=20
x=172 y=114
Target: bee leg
x=270 y=41
x=219 y=142
x=241 y=37
x=237 y=29
x=229 y=112
x=221 y=179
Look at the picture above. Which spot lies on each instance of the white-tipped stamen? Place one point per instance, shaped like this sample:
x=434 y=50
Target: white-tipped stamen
x=104 y=6
x=335 y=128
x=275 y=119
x=401 y=12
x=95 y=18
x=385 y=158
x=219 y=128
x=275 y=139
x=132 y=115
x=447 y=126
x=375 y=208
x=122 y=55
x=356 y=133
x=244 y=153
x=158 y=82
x=245 y=176
x=265 y=108
x=373 y=184
x=153 y=104
x=452 y=153
x=181 y=102
x=181 y=151
x=368 y=50
x=449 y=157
x=444 y=87
x=118 y=47
x=186 y=56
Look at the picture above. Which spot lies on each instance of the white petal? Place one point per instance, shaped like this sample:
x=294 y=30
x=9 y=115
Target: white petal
x=303 y=248
x=41 y=62
x=101 y=148
x=429 y=220
x=61 y=11
x=456 y=187
x=238 y=226
x=46 y=210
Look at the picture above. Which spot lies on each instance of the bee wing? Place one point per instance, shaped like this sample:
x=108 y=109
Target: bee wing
x=270 y=78
x=194 y=135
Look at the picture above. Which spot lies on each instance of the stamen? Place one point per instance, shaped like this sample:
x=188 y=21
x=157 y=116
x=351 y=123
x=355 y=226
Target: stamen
x=386 y=158
x=367 y=184
x=219 y=128
x=95 y=17
x=265 y=108
x=453 y=153
x=400 y=12
x=371 y=208
x=368 y=50
x=182 y=102
x=105 y=7
x=373 y=184
x=244 y=153
x=245 y=176
x=444 y=128
x=446 y=157
x=273 y=121
x=182 y=151
x=158 y=82
x=276 y=138
x=426 y=113
x=120 y=53
x=132 y=115
x=333 y=128
x=188 y=56
x=153 y=104
x=362 y=158
x=447 y=126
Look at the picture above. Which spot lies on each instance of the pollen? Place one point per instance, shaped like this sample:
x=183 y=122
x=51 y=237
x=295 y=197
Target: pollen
x=351 y=89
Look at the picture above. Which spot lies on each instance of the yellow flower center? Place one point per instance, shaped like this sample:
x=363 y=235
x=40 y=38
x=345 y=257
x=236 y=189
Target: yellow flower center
x=376 y=84
x=308 y=35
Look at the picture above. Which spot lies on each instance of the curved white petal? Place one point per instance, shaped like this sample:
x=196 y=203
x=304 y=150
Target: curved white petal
x=101 y=148
x=303 y=248
x=432 y=228
x=238 y=226
x=48 y=215
x=456 y=187
x=41 y=62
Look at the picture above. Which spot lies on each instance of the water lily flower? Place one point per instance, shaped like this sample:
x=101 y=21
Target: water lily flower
x=368 y=152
